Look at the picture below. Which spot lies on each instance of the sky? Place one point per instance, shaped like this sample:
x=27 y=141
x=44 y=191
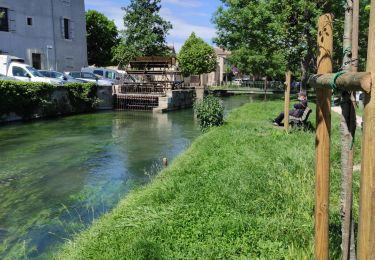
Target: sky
x=186 y=16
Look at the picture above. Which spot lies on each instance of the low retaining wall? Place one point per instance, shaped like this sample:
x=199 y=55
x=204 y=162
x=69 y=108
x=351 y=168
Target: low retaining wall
x=176 y=99
x=61 y=105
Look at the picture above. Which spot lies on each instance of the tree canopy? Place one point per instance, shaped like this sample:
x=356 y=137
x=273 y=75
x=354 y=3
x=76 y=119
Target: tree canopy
x=269 y=37
x=102 y=36
x=145 y=32
x=196 y=57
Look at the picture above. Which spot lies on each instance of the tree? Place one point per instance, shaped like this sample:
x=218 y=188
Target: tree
x=247 y=28
x=270 y=37
x=196 y=57
x=145 y=32
x=102 y=36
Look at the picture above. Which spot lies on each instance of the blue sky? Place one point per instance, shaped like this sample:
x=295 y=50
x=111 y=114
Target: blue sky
x=185 y=15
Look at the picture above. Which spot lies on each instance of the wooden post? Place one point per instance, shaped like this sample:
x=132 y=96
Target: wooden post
x=347 y=130
x=355 y=36
x=288 y=82
x=323 y=133
x=366 y=233
x=165 y=162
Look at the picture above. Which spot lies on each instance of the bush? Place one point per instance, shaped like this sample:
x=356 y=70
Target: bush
x=209 y=111
x=24 y=98
x=82 y=97
x=28 y=99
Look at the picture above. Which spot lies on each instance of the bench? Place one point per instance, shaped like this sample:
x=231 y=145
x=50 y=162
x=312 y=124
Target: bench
x=301 y=121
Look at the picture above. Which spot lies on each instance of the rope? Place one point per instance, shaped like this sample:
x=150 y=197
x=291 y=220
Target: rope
x=333 y=85
x=334 y=79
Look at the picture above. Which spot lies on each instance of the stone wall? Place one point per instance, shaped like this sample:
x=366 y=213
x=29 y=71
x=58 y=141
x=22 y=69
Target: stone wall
x=176 y=99
x=61 y=104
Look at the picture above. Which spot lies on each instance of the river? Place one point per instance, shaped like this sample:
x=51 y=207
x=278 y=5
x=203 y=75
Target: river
x=57 y=176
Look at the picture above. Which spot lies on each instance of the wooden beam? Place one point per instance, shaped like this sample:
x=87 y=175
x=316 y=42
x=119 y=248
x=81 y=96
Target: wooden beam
x=323 y=134
x=350 y=81
x=366 y=235
x=288 y=83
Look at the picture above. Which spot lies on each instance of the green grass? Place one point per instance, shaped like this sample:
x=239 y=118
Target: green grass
x=242 y=191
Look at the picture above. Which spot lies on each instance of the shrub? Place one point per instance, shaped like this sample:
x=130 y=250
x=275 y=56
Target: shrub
x=24 y=98
x=28 y=99
x=82 y=97
x=209 y=111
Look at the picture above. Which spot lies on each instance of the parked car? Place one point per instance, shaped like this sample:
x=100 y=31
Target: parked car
x=3 y=77
x=109 y=74
x=237 y=82
x=61 y=76
x=90 y=77
x=113 y=75
x=15 y=67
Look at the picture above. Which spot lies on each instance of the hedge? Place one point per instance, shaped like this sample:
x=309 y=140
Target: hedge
x=29 y=99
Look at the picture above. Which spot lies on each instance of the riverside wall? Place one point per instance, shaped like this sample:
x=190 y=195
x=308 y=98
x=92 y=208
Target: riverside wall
x=60 y=99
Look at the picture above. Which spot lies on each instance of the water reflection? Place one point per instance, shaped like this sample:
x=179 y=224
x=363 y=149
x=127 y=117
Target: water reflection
x=57 y=176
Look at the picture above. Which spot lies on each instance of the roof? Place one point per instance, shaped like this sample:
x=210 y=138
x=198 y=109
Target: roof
x=222 y=52
x=153 y=62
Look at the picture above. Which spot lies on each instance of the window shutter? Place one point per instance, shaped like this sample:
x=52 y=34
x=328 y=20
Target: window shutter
x=12 y=20
x=72 y=30
x=62 y=27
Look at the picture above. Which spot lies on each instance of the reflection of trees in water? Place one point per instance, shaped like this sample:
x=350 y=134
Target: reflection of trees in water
x=148 y=137
x=59 y=175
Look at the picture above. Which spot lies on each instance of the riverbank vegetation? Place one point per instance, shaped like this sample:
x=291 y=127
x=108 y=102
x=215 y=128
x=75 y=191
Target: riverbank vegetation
x=245 y=189
x=209 y=112
x=28 y=100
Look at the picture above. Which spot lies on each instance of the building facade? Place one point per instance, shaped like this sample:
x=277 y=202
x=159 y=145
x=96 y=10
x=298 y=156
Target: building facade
x=47 y=34
x=217 y=78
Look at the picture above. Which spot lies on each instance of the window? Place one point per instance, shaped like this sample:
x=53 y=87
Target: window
x=45 y=73
x=110 y=75
x=34 y=71
x=87 y=75
x=66 y=28
x=19 y=72
x=98 y=72
x=56 y=75
x=4 y=24
x=75 y=74
x=66 y=2
x=29 y=21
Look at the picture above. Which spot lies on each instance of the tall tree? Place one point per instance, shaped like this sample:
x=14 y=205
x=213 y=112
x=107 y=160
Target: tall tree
x=145 y=32
x=247 y=28
x=273 y=35
x=196 y=57
x=102 y=36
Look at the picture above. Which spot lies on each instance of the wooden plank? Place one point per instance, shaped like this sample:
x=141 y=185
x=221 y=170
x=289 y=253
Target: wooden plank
x=366 y=235
x=323 y=133
x=350 y=81
x=288 y=83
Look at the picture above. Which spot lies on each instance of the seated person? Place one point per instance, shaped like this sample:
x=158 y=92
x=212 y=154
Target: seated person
x=298 y=110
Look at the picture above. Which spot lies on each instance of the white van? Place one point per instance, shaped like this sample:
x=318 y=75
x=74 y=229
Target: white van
x=15 y=67
x=102 y=72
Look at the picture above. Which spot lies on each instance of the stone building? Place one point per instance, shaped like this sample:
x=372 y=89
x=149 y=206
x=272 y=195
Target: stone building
x=215 y=78
x=47 y=34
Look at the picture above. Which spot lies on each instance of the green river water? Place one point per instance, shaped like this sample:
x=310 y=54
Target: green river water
x=57 y=176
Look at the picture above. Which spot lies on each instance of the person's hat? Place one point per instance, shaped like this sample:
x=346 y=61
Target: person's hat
x=302 y=93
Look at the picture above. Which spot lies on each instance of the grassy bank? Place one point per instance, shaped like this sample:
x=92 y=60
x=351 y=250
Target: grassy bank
x=242 y=190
